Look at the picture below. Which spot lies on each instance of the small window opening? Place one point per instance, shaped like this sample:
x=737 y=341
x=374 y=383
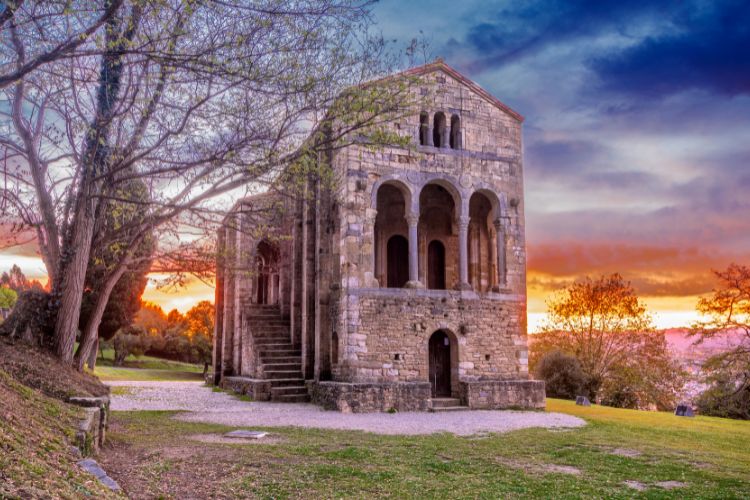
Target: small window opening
x=438 y=130
x=424 y=129
x=486 y=357
x=455 y=137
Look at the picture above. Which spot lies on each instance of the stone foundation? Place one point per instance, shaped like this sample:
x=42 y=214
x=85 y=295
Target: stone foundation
x=371 y=397
x=258 y=389
x=503 y=394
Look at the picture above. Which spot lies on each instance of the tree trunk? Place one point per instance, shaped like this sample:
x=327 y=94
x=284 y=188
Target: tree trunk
x=95 y=163
x=92 y=355
x=69 y=313
x=91 y=330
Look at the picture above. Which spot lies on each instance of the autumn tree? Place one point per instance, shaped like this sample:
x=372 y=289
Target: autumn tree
x=727 y=312
x=15 y=280
x=193 y=99
x=604 y=325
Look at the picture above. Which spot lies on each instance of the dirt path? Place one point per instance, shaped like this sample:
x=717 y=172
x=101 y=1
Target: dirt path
x=204 y=405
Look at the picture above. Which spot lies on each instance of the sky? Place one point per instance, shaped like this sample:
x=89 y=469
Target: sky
x=636 y=138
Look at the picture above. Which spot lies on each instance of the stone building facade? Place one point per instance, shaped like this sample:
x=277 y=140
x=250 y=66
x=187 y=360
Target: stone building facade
x=402 y=284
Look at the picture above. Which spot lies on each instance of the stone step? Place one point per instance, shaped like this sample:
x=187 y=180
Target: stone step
x=272 y=345
x=287 y=382
x=282 y=374
x=449 y=408
x=273 y=366
x=445 y=402
x=281 y=359
x=290 y=389
x=272 y=331
x=291 y=398
x=277 y=337
x=280 y=353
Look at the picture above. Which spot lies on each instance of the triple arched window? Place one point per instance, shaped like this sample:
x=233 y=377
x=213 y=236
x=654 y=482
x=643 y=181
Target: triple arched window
x=439 y=133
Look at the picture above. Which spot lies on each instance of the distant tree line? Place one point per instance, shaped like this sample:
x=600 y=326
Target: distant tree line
x=187 y=338
x=599 y=342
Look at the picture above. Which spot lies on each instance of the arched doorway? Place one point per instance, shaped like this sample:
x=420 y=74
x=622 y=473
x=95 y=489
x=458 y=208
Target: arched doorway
x=267 y=277
x=391 y=244
x=481 y=244
x=440 y=364
x=398 y=261
x=438 y=245
x=436 y=265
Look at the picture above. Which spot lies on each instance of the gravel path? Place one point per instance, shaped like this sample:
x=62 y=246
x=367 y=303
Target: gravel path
x=204 y=405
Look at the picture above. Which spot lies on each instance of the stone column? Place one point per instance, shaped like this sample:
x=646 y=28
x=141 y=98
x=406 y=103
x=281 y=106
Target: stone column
x=463 y=253
x=445 y=140
x=430 y=142
x=501 y=266
x=413 y=220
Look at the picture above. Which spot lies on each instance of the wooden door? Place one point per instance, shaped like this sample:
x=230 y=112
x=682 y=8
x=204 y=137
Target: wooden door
x=440 y=364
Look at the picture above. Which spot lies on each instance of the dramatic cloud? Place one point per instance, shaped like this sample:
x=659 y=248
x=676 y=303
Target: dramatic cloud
x=707 y=48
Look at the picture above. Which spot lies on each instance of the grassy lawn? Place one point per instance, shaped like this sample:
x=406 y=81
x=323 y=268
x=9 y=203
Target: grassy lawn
x=152 y=454
x=145 y=368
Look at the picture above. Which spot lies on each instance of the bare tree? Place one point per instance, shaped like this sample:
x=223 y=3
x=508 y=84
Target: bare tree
x=45 y=41
x=195 y=100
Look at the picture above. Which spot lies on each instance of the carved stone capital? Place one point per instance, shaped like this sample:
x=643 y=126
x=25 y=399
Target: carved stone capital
x=412 y=219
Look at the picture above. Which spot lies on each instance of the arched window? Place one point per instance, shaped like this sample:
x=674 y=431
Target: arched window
x=438 y=244
x=481 y=243
x=455 y=139
x=267 y=268
x=391 y=244
x=424 y=129
x=438 y=130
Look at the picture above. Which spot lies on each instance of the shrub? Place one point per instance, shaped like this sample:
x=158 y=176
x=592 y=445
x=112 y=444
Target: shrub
x=728 y=396
x=562 y=375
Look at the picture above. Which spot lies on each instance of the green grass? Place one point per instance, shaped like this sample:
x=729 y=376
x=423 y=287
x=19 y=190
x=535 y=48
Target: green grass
x=710 y=456
x=145 y=368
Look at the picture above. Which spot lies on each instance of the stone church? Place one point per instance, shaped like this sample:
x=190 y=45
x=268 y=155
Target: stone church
x=400 y=287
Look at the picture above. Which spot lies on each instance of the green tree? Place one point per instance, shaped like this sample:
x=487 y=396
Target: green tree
x=562 y=375
x=8 y=297
x=607 y=328
x=727 y=312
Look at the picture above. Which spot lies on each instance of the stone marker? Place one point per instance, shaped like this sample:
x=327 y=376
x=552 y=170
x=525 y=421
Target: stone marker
x=246 y=434
x=92 y=467
x=684 y=410
x=583 y=401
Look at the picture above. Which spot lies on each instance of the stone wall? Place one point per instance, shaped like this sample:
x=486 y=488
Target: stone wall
x=92 y=428
x=389 y=332
x=502 y=395
x=258 y=389
x=374 y=397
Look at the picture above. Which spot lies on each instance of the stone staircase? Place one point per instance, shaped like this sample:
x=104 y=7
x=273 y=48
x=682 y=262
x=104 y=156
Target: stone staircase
x=447 y=404
x=281 y=361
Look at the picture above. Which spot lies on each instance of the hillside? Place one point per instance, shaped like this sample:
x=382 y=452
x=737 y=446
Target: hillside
x=37 y=427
